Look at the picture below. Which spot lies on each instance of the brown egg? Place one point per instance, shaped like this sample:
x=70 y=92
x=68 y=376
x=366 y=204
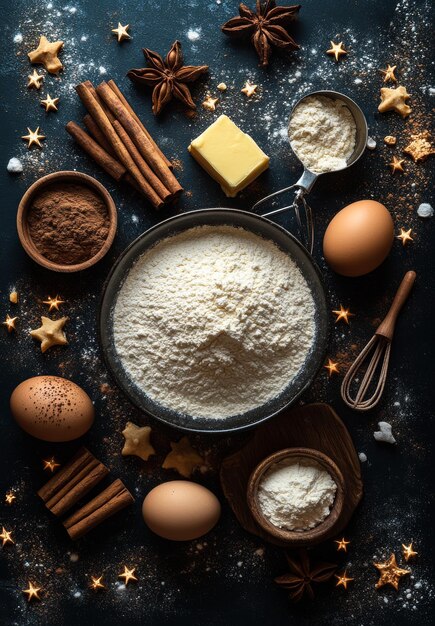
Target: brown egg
x=180 y=510
x=359 y=238
x=52 y=408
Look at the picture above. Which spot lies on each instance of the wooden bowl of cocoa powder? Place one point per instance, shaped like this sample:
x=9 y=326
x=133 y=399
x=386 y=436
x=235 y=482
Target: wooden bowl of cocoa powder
x=66 y=221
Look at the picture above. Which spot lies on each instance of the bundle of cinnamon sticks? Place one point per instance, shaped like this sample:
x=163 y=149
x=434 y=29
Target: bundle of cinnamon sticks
x=119 y=142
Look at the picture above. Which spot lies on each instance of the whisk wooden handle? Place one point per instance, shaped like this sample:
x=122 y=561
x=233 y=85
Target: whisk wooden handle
x=386 y=327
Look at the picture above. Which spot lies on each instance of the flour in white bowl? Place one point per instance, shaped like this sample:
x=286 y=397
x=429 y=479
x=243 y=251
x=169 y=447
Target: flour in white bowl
x=322 y=133
x=213 y=322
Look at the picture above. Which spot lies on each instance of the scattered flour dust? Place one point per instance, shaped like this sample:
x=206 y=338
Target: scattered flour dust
x=296 y=495
x=322 y=133
x=213 y=322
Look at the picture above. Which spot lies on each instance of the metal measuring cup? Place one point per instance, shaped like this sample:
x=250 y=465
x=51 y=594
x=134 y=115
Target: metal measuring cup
x=306 y=182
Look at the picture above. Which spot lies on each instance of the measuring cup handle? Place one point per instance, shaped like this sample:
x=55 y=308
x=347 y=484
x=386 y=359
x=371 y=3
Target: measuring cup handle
x=306 y=181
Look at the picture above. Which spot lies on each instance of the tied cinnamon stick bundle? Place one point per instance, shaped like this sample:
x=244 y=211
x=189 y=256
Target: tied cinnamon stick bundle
x=72 y=482
x=103 y=506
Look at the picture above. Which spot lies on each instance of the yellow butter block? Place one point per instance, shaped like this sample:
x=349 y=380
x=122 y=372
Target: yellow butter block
x=230 y=156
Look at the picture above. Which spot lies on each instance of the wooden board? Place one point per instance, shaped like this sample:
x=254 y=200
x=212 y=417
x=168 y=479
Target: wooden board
x=312 y=426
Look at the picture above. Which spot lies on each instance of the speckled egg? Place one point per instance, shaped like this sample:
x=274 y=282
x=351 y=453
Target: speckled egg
x=52 y=408
x=359 y=238
x=181 y=510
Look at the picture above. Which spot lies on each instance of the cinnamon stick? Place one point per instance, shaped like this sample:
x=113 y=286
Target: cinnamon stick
x=96 y=133
x=114 y=87
x=72 y=482
x=96 y=152
x=145 y=147
x=154 y=181
x=103 y=506
x=95 y=109
x=90 y=86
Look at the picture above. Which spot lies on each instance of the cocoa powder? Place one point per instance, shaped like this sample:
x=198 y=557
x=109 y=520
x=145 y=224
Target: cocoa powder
x=68 y=223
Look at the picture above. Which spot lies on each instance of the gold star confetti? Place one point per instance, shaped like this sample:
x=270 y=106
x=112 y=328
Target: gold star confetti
x=128 y=574
x=222 y=87
x=53 y=303
x=249 y=89
x=50 y=333
x=51 y=464
x=10 y=497
x=336 y=49
x=46 y=55
x=50 y=103
x=332 y=368
x=394 y=100
x=343 y=580
x=32 y=592
x=210 y=103
x=35 y=80
x=389 y=73
x=33 y=138
x=96 y=583
x=5 y=536
x=121 y=32
x=408 y=552
x=343 y=314
x=137 y=441
x=397 y=165
x=390 y=573
x=10 y=323
x=342 y=544
x=182 y=458
x=405 y=236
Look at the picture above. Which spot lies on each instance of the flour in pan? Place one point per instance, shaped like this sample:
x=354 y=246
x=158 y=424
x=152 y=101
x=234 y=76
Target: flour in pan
x=213 y=322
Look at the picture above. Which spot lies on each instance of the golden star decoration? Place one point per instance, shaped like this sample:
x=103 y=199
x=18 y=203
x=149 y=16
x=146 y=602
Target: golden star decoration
x=35 y=80
x=6 y=537
x=182 y=458
x=32 y=592
x=50 y=103
x=405 y=236
x=33 y=138
x=121 y=32
x=394 y=100
x=127 y=575
x=336 y=50
x=50 y=333
x=210 y=103
x=389 y=73
x=342 y=580
x=343 y=314
x=10 y=497
x=408 y=552
x=342 y=544
x=390 y=573
x=397 y=165
x=50 y=464
x=10 y=323
x=96 y=583
x=137 y=441
x=249 y=89
x=46 y=54
x=53 y=303
x=332 y=368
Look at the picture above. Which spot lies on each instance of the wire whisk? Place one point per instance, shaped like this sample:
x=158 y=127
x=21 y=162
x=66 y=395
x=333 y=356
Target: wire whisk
x=379 y=347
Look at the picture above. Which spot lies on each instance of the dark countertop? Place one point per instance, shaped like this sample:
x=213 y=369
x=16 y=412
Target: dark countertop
x=226 y=577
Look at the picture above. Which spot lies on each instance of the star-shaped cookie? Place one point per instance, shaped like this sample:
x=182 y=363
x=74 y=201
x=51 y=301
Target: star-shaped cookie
x=50 y=333
x=137 y=441
x=182 y=458
x=390 y=573
x=420 y=147
x=394 y=100
x=46 y=54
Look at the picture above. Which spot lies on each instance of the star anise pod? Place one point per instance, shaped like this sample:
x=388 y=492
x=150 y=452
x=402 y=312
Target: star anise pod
x=168 y=78
x=267 y=27
x=302 y=575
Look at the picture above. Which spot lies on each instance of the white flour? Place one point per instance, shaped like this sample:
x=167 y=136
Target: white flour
x=296 y=495
x=322 y=133
x=213 y=322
